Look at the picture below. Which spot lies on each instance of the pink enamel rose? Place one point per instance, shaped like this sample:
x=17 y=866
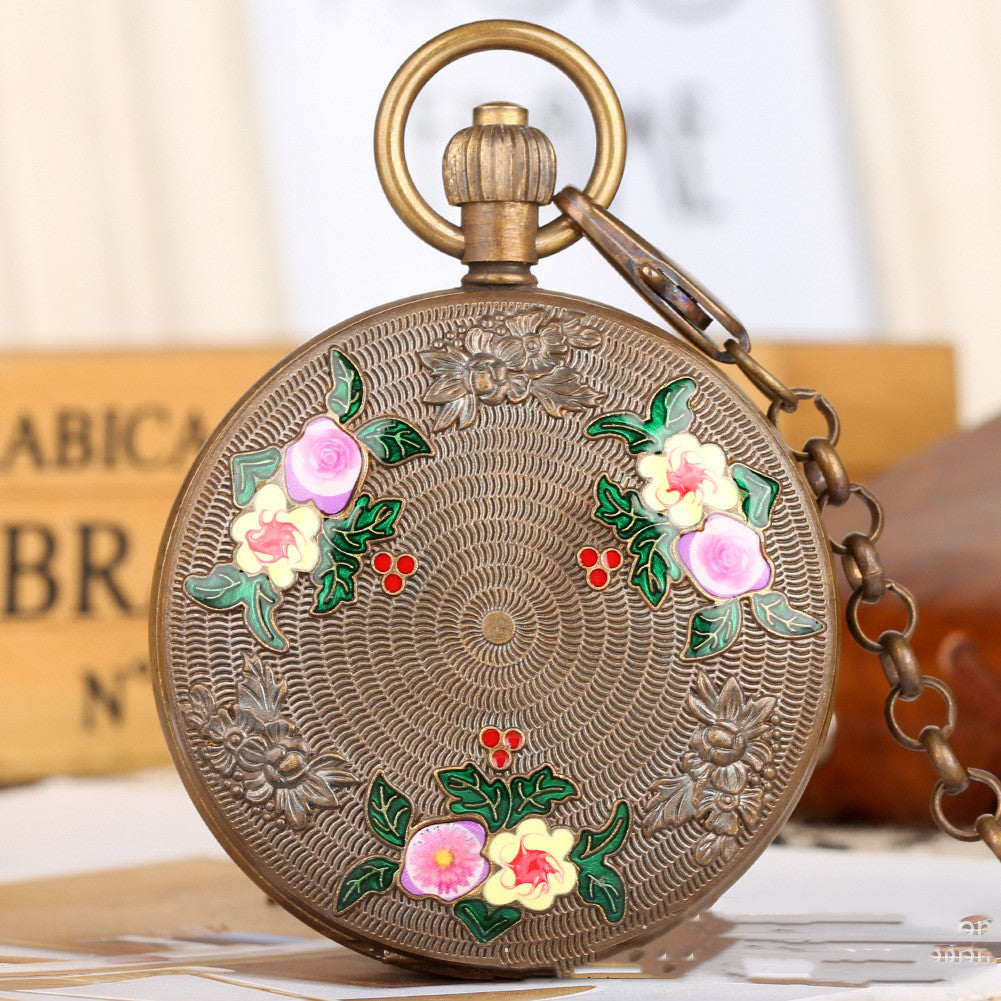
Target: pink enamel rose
x=725 y=557
x=445 y=860
x=324 y=465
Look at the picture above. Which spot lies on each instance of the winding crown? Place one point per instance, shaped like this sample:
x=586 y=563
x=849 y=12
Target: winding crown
x=500 y=170
x=499 y=158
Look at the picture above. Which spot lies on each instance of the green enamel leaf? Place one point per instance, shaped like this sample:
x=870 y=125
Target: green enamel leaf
x=374 y=875
x=388 y=811
x=655 y=566
x=484 y=921
x=649 y=537
x=669 y=415
x=774 y=612
x=335 y=575
x=222 y=587
x=472 y=792
x=758 y=494
x=713 y=629
x=598 y=845
x=369 y=520
x=629 y=426
x=536 y=794
x=597 y=882
x=343 y=540
x=229 y=587
x=251 y=469
x=346 y=394
x=259 y=615
x=602 y=886
x=622 y=510
x=391 y=440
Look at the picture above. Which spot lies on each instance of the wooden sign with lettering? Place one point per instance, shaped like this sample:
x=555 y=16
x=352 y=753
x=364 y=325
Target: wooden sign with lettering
x=93 y=448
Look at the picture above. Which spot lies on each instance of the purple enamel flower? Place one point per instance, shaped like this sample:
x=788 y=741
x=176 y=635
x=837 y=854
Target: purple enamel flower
x=324 y=465
x=725 y=557
x=445 y=860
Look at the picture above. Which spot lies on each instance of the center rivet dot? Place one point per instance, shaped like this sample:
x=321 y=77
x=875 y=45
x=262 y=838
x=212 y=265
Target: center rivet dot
x=497 y=626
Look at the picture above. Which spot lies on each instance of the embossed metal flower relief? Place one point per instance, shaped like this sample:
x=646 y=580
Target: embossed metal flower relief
x=255 y=746
x=278 y=768
x=723 y=778
x=735 y=726
x=224 y=732
x=538 y=344
x=728 y=799
x=507 y=359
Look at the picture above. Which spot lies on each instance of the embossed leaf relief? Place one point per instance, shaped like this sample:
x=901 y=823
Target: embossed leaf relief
x=492 y=857
x=697 y=518
x=258 y=749
x=303 y=513
x=725 y=773
x=510 y=358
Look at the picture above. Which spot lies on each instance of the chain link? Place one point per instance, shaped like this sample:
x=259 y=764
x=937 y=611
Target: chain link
x=821 y=402
x=900 y=664
x=826 y=474
x=950 y=707
x=987 y=820
x=862 y=567
x=858 y=632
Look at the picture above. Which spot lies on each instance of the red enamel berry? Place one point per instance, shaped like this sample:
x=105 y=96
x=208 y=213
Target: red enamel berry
x=406 y=565
x=597 y=578
x=490 y=737
x=514 y=739
x=393 y=583
x=383 y=563
x=611 y=558
x=588 y=557
x=500 y=758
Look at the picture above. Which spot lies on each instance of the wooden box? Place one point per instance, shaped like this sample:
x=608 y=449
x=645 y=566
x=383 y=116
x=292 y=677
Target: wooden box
x=93 y=448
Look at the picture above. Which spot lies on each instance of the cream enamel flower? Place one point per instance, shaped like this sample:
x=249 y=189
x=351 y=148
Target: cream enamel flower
x=686 y=478
x=532 y=866
x=275 y=540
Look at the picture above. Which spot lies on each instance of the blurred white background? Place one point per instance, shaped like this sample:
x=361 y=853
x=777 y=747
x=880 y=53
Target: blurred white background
x=200 y=171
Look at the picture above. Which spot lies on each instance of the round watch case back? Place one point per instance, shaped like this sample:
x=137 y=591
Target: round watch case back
x=494 y=632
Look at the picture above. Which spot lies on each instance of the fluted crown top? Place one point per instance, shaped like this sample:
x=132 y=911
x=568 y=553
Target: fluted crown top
x=500 y=158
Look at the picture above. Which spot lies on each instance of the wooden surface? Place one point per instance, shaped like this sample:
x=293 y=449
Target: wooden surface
x=168 y=899
x=93 y=448
x=800 y=923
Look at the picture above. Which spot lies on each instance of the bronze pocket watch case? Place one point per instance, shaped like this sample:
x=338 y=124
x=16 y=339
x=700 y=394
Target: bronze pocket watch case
x=495 y=629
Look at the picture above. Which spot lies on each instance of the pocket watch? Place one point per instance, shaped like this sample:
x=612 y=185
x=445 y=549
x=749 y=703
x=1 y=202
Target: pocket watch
x=495 y=629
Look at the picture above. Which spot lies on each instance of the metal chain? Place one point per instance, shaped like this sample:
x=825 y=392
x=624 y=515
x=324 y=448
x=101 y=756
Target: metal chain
x=825 y=471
